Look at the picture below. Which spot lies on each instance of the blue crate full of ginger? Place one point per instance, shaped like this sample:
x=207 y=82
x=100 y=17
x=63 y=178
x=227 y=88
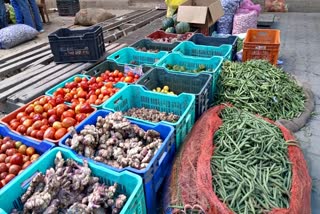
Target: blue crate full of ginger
x=116 y=143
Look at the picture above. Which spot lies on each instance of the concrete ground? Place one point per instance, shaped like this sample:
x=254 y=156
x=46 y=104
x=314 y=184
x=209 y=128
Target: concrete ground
x=300 y=45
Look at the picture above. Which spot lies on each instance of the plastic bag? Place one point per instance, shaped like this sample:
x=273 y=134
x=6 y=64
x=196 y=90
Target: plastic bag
x=249 y=5
x=191 y=179
x=92 y=16
x=15 y=35
x=225 y=23
x=172 y=6
x=275 y=6
x=244 y=20
x=246 y=17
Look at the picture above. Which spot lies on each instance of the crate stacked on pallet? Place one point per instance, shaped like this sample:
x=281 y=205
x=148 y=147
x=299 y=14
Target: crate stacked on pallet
x=85 y=45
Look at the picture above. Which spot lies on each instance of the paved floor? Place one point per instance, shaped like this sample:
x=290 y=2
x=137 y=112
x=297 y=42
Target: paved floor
x=300 y=46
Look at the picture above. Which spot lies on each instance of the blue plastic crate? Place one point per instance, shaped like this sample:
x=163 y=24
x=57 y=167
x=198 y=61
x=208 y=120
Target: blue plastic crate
x=152 y=45
x=126 y=56
x=200 y=39
x=40 y=147
x=50 y=92
x=154 y=174
x=190 y=49
x=191 y=63
x=200 y=85
x=135 y=96
x=128 y=183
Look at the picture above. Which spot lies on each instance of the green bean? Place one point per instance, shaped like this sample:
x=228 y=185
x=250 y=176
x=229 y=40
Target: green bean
x=250 y=167
x=260 y=88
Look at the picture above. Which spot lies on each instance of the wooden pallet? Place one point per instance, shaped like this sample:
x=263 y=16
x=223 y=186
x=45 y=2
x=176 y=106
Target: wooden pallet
x=39 y=73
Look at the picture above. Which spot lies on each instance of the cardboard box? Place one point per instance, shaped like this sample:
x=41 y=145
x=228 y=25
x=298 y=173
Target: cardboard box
x=201 y=14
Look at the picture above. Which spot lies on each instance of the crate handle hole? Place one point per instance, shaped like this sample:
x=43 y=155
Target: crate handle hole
x=117 y=57
x=118 y=101
x=161 y=158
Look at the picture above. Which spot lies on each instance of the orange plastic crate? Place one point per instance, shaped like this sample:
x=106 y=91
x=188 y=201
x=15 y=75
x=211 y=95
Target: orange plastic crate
x=262 y=44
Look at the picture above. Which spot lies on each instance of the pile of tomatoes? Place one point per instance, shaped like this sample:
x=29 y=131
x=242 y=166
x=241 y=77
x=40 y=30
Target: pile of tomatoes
x=14 y=158
x=49 y=118
x=81 y=90
x=117 y=76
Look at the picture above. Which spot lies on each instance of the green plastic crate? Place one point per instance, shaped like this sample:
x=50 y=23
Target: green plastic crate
x=191 y=63
x=190 y=49
x=128 y=183
x=136 y=96
x=125 y=56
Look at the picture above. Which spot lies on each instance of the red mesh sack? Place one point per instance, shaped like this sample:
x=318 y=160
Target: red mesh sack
x=191 y=181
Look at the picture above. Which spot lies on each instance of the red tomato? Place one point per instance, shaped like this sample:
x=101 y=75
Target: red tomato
x=47 y=107
x=49 y=133
x=130 y=74
x=68 y=122
x=2 y=158
x=60 y=111
x=3 y=175
x=27 y=123
x=11 y=152
x=44 y=127
x=80 y=117
x=16 y=159
x=20 y=115
x=128 y=79
x=36 y=117
x=34 y=133
x=29 y=109
x=14 y=169
x=40 y=134
x=57 y=125
x=14 y=125
x=60 y=133
x=34 y=157
x=120 y=74
x=38 y=109
x=30 y=151
x=37 y=125
x=9 y=177
x=51 y=112
x=109 y=85
x=26 y=164
x=29 y=130
x=43 y=100
x=25 y=158
x=21 y=129
x=3 y=168
x=77 y=79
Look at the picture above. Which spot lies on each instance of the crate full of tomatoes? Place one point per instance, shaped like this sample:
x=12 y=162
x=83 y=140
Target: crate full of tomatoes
x=17 y=153
x=46 y=118
x=85 y=89
x=112 y=72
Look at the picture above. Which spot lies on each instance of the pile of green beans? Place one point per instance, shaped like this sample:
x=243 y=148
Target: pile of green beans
x=260 y=88
x=250 y=166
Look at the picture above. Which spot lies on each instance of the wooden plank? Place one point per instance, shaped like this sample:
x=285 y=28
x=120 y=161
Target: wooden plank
x=43 y=61
x=15 y=54
x=27 y=97
x=24 y=56
x=22 y=63
x=31 y=81
x=23 y=76
x=53 y=74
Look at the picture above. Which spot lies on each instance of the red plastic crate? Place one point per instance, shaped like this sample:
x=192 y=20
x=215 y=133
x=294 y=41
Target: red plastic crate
x=159 y=34
x=262 y=44
x=6 y=121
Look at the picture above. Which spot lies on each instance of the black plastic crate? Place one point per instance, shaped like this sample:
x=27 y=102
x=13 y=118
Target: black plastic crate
x=200 y=85
x=77 y=45
x=109 y=65
x=68 y=7
x=151 y=45
x=200 y=39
